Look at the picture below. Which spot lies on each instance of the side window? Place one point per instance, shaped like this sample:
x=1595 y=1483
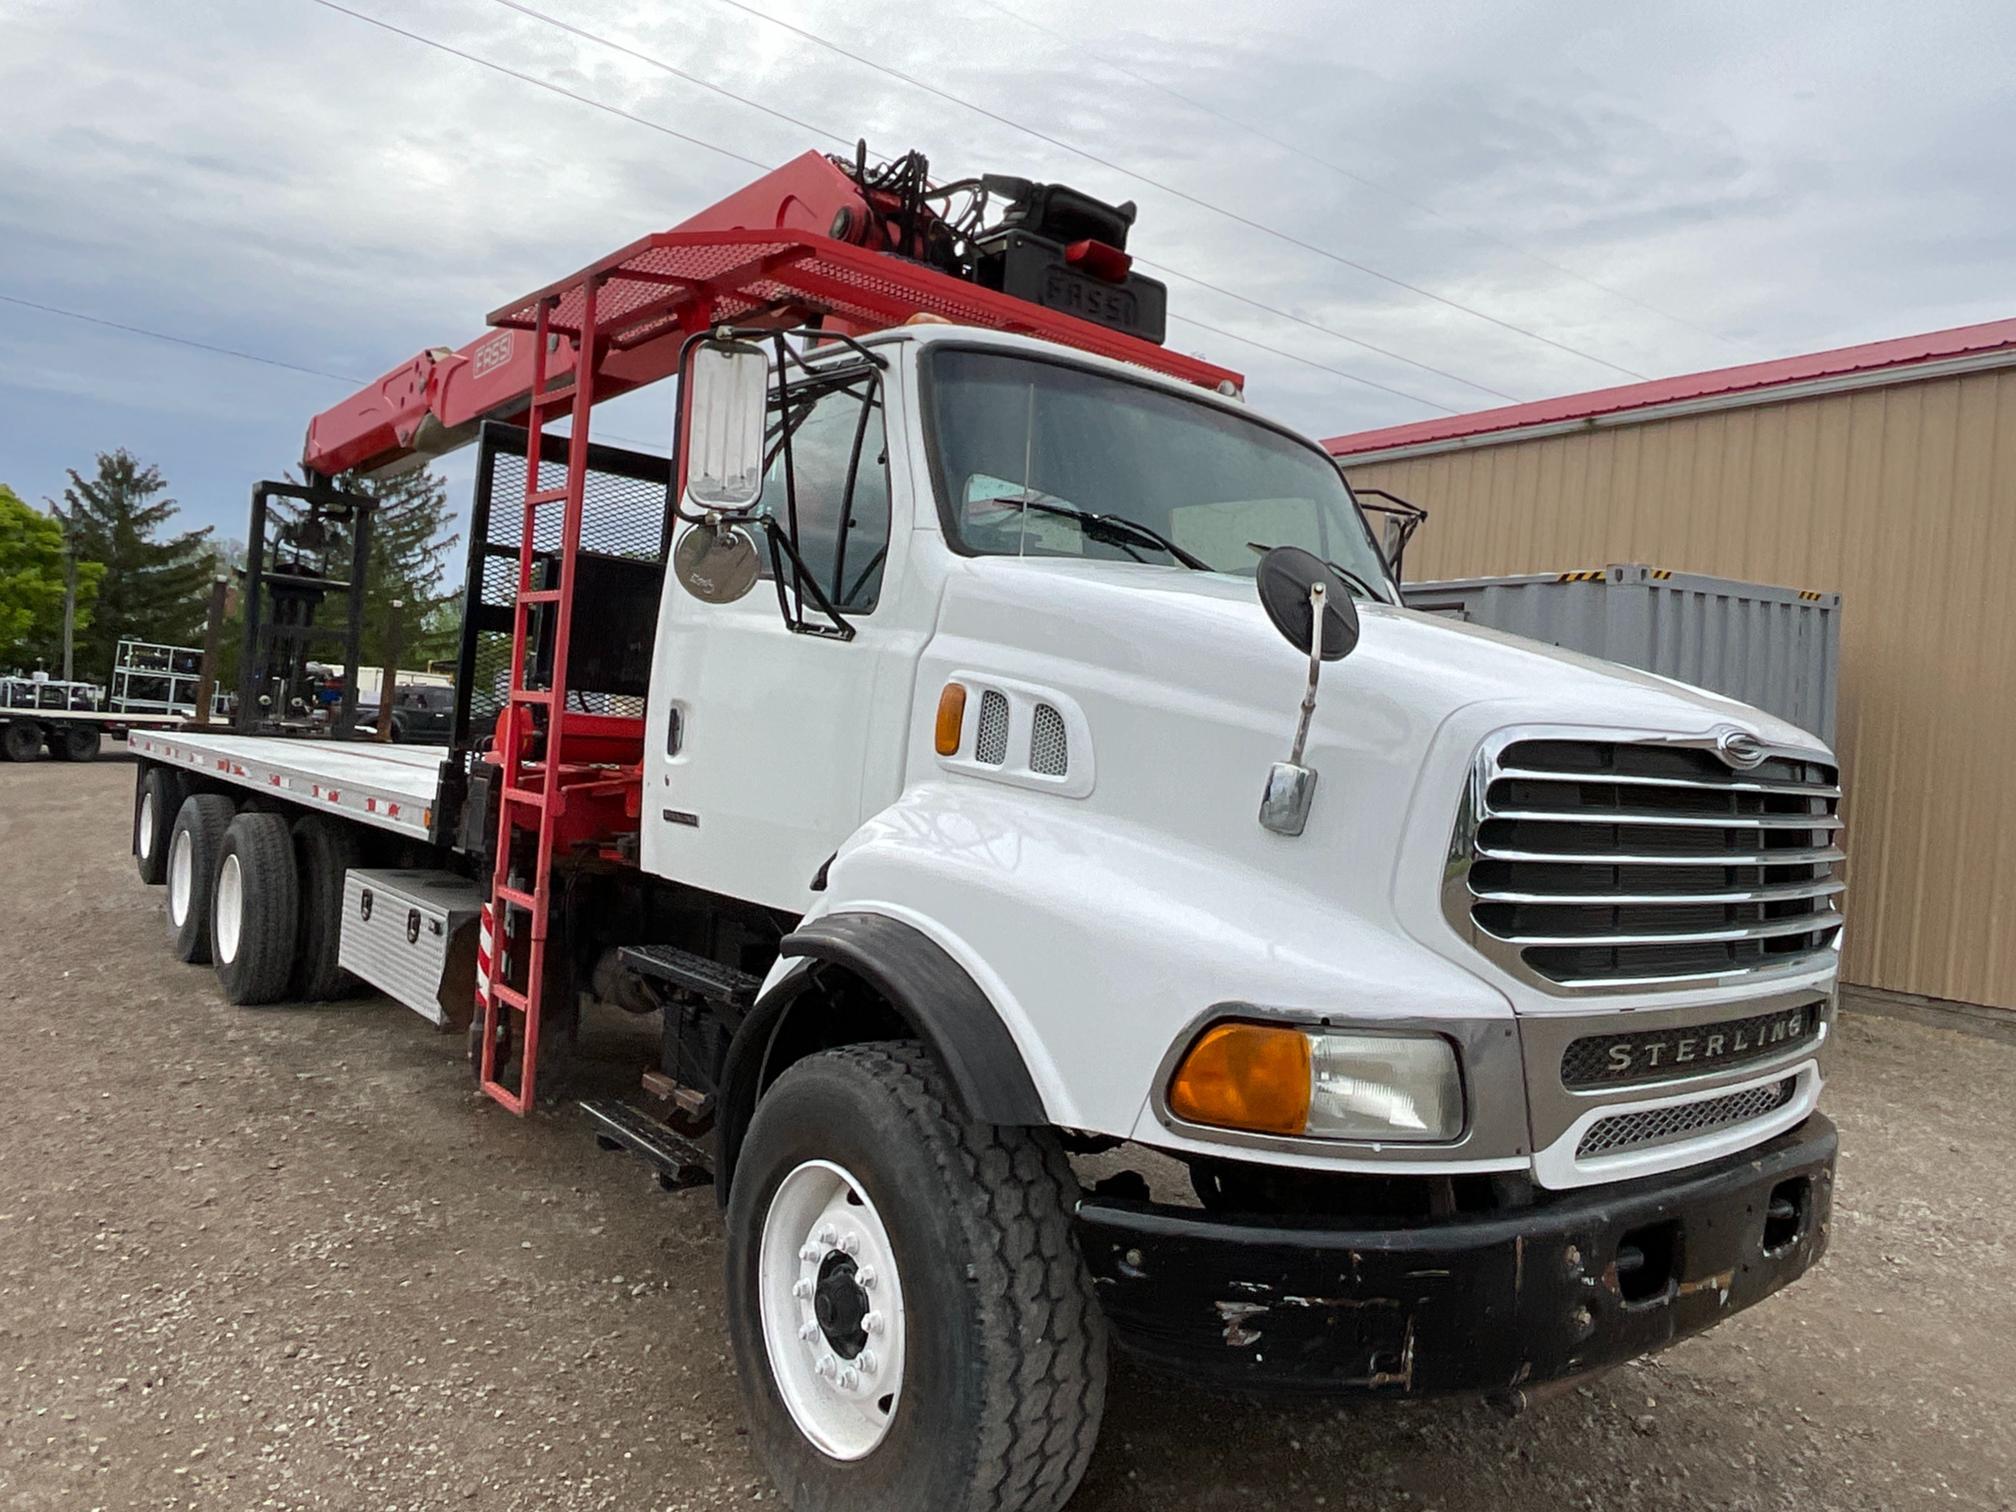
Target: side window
x=843 y=530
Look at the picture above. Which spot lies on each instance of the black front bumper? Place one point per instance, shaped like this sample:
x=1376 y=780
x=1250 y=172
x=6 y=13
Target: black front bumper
x=1467 y=1304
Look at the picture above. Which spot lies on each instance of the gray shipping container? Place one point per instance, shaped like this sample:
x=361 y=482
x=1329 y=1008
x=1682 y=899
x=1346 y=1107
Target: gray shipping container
x=1776 y=648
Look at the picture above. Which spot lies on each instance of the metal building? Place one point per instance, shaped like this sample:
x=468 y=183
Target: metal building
x=1884 y=472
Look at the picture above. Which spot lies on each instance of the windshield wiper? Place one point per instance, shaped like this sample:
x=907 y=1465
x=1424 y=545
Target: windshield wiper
x=1112 y=529
x=1365 y=589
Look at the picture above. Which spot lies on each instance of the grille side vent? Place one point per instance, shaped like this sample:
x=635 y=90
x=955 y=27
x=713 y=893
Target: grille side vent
x=1604 y=863
x=1049 y=749
x=990 y=742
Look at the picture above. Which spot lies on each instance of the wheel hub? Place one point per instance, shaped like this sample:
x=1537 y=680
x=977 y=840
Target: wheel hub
x=832 y=1309
x=181 y=877
x=228 y=907
x=839 y=1304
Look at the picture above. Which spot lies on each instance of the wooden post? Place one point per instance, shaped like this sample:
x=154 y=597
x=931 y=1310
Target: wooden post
x=388 y=686
x=213 y=637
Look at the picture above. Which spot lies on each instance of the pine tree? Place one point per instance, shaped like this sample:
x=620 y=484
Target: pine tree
x=155 y=587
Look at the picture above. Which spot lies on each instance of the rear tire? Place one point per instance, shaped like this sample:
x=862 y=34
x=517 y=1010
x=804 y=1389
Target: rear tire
x=70 y=742
x=255 y=909
x=21 y=740
x=154 y=822
x=193 y=844
x=324 y=850
x=986 y=1375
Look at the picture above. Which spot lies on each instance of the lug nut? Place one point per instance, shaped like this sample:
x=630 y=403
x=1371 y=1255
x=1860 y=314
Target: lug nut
x=826 y=1365
x=828 y=1236
x=865 y=1361
x=850 y=1244
x=866 y=1277
x=811 y=1254
x=849 y=1379
x=809 y=1332
x=872 y=1323
x=801 y=1289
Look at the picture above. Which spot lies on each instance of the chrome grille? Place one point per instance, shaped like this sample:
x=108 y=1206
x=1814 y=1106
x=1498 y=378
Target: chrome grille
x=1607 y=863
x=1657 y=1126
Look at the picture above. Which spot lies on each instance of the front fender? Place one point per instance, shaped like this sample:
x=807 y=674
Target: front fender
x=1100 y=941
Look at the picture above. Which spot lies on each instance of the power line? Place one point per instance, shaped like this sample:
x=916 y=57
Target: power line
x=222 y=351
x=1204 y=283
x=201 y=346
x=1275 y=310
x=659 y=63
x=539 y=83
x=1167 y=188
x=1375 y=185
x=1312 y=362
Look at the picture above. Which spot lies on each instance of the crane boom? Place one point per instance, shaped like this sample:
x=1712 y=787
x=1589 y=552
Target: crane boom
x=817 y=239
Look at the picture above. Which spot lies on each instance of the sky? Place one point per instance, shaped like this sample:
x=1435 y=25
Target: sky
x=1473 y=202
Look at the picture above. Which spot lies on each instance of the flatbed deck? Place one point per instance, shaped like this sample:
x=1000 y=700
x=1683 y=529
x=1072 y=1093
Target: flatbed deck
x=392 y=787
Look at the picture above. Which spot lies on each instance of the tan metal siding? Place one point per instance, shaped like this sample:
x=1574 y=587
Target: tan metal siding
x=1902 y=498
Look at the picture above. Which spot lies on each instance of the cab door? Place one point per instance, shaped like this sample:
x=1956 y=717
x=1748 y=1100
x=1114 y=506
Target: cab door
x=763 y=749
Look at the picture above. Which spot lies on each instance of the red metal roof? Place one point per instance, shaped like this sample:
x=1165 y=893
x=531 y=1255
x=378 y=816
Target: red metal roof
x=1899 y=352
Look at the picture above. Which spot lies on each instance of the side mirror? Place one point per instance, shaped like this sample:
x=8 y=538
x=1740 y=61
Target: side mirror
x=725 y=394
x=1287 y=577
x=1309 y=604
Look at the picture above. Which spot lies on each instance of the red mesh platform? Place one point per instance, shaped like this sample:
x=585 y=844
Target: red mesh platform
x=689 y=278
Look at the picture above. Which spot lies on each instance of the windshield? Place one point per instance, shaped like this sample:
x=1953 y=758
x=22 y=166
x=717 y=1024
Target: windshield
x=1027 y=452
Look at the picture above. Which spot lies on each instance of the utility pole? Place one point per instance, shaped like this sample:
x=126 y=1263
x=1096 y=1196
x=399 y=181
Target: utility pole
x=69 y=596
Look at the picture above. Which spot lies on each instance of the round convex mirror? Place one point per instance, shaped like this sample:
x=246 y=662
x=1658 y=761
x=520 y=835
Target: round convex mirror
x=716 y=563
x=1284 y=578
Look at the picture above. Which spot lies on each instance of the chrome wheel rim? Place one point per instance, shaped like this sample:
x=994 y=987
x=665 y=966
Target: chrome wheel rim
x=146 y=836
x=831 y=1302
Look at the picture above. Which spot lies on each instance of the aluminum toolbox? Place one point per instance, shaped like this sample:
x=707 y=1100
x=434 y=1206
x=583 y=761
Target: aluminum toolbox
x=1778 y=649
x=412 y=935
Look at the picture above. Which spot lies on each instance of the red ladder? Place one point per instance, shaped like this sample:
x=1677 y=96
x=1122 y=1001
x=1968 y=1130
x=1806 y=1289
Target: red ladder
x=532 y=795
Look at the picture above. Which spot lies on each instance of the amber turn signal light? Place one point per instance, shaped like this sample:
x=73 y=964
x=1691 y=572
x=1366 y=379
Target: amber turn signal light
x=1245 y=1076
x=951 y=718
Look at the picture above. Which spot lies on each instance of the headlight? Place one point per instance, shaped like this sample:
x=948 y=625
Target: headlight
x=1320 y=1083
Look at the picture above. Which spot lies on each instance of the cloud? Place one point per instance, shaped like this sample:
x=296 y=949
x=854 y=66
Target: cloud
x=1666 y=190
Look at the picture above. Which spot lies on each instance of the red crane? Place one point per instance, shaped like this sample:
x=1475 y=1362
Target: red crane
x=819 y=243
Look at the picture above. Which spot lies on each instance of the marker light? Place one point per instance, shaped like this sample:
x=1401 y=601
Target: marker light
x=1281 y=1079
x=1245 y=1076
x=951 y=718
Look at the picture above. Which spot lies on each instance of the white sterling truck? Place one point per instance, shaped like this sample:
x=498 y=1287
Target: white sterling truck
x=989 y=744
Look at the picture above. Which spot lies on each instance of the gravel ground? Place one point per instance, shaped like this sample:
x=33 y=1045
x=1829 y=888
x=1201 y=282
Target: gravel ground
x=286 y=1258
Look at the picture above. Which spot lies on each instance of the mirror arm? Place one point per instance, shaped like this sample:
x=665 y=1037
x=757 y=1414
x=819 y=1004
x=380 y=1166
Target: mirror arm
x=846 y=523
x=1317 y=604
x=842 y=629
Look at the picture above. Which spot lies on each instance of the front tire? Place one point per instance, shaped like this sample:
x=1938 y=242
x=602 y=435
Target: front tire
x=914 y=1328
x=255 y=909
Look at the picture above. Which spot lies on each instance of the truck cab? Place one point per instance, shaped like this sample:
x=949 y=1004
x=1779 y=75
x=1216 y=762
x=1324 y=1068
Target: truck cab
x=1499 y=1067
